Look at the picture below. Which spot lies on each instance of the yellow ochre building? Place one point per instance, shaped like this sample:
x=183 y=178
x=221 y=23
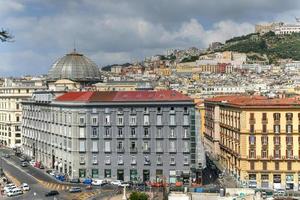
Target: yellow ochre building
x=255 y=138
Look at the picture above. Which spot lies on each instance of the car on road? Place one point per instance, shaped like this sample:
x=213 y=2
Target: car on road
x=22 y=159
x=24 y=164
x=52 y=193
x=117 y=182
x=98 y=182
x=6 y=155
x=74 y=189
x=14 y=192
x=25 y=187
x=74 y=180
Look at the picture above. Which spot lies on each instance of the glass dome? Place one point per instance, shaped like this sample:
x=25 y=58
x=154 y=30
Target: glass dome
x=75 y=67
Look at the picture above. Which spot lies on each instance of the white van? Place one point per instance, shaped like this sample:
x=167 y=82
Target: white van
x=98 y=182
x=14 y=192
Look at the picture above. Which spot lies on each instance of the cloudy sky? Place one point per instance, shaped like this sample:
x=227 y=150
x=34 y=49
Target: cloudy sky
x=118 y=31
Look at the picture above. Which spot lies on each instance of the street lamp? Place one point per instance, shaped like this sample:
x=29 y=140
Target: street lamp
x=124 y=193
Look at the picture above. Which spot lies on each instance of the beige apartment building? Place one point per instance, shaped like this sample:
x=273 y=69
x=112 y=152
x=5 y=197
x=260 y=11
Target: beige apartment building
x=255 y=138
x=12 y=92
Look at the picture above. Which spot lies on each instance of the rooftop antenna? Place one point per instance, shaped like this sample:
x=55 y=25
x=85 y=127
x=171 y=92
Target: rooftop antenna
x=74 y=46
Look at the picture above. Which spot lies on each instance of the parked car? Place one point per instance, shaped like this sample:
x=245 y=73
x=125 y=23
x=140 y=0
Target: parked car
x=32 y=162
x=52 y=193
x=117 y=182
x=87 y=181
x=7 y=189
x=14 y=192
x=22 y=159
x=98 y=182
x=74 y=189
x=25 y=187
x=6 y=155
x=75 y=180
x=24 y=164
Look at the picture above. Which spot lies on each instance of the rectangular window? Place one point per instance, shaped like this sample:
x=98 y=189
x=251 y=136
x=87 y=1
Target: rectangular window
x=94 y=132
x=264 y=128
x=186 y=147
x=159 y=146
x=132 y=120
x=251 y=128
x=159 y=160
x=289 y=128
x=252 y=140
x=81 y=120
x=95 y=159
x=120 y=132
x=289 y=165
x=289 y=116
x=107 y=173
x=172 y=120
x=133 y=160
x=147 y=160
x=251 y=116
x=81 y=132
x=107 y=146
x=276 y=165
x=94 y=146
x=146 y=146
x=107 y=120
x=264 y=140
x=277 y=153
x=185 y=133
x=120 y=120
x=186 y=160
x=107 y=132
x=172 y=160
x=146 y=132
x=276 y=116
x=82 y=146
x=289 y=153
x=276 y=140
x=120 y=160
x=133 y=134
x=264 y=153
x=94 y=121
x=252 y=165
x=289 y=140
x=146 y=120
x=185 y=120
x=265 y=165
x=277 y=129
x=264 y=116
x=81 y=159
x=107 y=160
x=251 y=153
x=120 y=145
x=159 y=120
x=172 y=133
x=172 y=146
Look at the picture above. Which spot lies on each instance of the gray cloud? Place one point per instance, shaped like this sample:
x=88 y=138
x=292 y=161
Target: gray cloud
x=111 y=31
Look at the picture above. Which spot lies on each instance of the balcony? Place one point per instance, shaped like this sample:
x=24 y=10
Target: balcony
x=264 y=121
x=132 y=124
x=159 y=150
x=108 y=136
x=172 y=137
x=186 y=151
x=94 y=136
x=172 y=151
x=120 y=162
x=120 y=150
x=133 y=162
x=147 y=137
x=146 y=123
x=147 y=150
x=120 y=136
x=147 y=162
x=107 y=162
x=133 y=150
x=133 y=137
x=107 y=124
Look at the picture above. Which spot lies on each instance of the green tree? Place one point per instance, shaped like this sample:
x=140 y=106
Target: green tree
x=5 y=36
x=138 y=196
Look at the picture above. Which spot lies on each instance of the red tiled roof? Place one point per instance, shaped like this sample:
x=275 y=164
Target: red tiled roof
x=124 y=96
x=255 y=101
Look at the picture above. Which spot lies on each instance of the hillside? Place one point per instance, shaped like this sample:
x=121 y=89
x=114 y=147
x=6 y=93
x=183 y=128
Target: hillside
x=273 y=46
